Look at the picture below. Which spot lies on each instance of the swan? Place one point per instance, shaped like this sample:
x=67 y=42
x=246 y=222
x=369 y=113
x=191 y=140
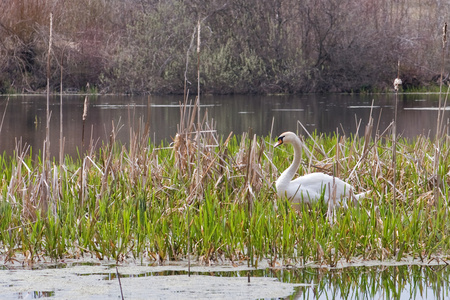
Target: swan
x=310 y=187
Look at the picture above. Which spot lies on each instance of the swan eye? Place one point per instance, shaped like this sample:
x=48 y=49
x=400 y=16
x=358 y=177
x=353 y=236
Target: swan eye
x=279 y=141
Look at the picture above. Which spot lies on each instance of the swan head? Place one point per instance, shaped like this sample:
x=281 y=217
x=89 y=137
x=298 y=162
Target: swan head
x=287 y=137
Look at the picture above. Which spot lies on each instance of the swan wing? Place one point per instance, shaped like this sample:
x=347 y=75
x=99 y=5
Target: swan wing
x=316 y=184
x=299 y=193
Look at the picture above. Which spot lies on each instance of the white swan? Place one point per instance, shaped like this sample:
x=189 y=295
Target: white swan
x=309 y=188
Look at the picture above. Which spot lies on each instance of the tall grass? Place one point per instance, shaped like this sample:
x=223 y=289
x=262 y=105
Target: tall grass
x=132 y=202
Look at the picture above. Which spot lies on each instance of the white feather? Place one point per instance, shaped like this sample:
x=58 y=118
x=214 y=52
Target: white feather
x=310 y=187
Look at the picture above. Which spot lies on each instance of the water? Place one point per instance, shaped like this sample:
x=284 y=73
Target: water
x=363 y=282
x=387 y=281
x=24 y=116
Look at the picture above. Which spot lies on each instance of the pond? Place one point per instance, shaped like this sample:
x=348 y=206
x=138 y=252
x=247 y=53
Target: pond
x=24 y=117
x=390 y=280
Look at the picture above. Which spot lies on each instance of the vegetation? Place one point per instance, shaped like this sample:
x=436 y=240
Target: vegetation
x=205 y=196
x=283 y=46
x=213 y=199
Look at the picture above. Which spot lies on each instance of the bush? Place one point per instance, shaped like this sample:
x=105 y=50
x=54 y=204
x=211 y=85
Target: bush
x=281 y=46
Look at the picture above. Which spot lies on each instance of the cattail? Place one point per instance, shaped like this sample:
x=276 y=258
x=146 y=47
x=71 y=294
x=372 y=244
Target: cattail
x=444 y=35
x=397 y=81
x=85 y=110
x=198 y=35
x=397 y=84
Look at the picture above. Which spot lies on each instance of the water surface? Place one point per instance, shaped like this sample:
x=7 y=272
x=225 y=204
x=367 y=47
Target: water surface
x=25 y=116
x=386 y=281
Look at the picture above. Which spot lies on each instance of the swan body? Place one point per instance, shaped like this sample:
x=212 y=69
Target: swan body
x=310 y=187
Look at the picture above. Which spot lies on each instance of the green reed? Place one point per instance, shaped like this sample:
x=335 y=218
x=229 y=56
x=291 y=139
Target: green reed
x=119 y=204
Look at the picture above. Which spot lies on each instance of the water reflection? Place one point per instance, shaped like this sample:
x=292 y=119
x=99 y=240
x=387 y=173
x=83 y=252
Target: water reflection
x=380 y=282
x=24 y=116
x=400 y=282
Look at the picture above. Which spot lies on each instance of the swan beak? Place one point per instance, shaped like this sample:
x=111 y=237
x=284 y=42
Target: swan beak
x=280 y=141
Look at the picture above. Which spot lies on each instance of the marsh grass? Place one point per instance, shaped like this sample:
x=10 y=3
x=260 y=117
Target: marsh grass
x=131 y=202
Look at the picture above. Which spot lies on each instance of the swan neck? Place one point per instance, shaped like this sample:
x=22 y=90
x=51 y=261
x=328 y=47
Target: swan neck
x=289 y=173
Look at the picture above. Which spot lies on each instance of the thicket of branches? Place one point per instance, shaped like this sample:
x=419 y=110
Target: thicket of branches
x=262 y=46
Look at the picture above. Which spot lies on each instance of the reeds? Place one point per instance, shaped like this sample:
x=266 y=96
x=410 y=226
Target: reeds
x=214 y=198
x=440 y=121
x=134 y=202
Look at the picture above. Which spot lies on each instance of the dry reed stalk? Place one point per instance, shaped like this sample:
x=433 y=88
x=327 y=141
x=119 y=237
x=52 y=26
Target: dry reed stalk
x=326 y=165
x=270 y=169
x=137 y=158
x=84 y=117
x=120 y=284
x=194 y=146
x=47 y=135
x=336 y=156
x=58 y=189
x=248 y=191
x=4 y=114
x=82 y=182
x=241 y=155
x=198 y=62
x=439 y=122
x=61 y=137
x=134 y=145
x=199 y=174
x=353 y=146
x=186 y=91
x=316 y=147
x=147 y=120
x=55 y=183
x=44 y=192
x=223 y=167
x=248 y=194
x=257 y=178
x=331 y=212
x=17 y=181
x=184 y=146
x=179 y=142
x=249 y=166
x=84 y=170
x=30 y=197
x=107 y=168
x=368 y=130
x=361 y=159
x=84 y=166
x=394 y=164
